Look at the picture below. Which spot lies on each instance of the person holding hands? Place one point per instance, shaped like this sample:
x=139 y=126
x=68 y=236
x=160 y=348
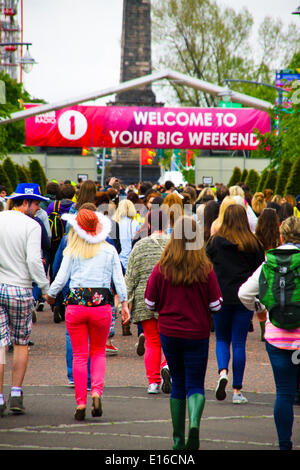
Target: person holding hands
x=91 y=264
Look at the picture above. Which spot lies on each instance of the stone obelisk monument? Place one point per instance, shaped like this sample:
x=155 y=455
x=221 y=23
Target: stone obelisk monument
x=135 y=63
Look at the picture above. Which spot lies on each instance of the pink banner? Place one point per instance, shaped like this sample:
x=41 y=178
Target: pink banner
x=141 y=127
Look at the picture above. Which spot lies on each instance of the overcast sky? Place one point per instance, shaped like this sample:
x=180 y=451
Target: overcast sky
x=77 y=43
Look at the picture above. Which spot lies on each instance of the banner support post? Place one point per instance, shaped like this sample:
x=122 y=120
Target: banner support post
x=140 y=167
x=103 y=167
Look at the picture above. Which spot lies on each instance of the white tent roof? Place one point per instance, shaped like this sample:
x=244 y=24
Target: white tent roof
x=201 y=85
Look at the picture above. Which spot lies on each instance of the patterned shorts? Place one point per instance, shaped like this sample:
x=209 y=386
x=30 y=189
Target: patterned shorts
x=16 y=307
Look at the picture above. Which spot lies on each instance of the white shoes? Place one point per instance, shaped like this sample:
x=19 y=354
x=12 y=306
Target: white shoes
x=239 y=399
x=154 y=388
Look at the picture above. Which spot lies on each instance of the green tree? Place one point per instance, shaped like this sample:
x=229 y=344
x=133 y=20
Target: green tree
x=271 y=180
x=22 y=174
x=211 y=42
x=283 y=175
x=12 y=136
x=293 y=186
x=285 y=144
x=261 y=182
x=252 y=180
x=244 y=175
x=5 y=181
x=235 y=177
x=189 y=175
x=27 y=173
x=11 y=172
x=37 y=174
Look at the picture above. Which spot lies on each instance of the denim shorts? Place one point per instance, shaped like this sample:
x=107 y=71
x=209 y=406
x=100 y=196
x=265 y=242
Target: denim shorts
x=16 y=307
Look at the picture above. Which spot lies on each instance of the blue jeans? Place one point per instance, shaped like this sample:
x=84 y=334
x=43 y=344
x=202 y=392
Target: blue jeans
x=285 y=375
x=69 y=360
x=187 y=361
x=232 y=324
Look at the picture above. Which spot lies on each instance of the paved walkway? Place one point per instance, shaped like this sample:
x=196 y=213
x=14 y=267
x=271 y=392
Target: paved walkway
x=132 y=419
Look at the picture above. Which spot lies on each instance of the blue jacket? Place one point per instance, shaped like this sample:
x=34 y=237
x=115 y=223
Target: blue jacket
x=84 y=272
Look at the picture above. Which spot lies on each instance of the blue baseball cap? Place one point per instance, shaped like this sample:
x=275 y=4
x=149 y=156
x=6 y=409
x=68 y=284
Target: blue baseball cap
x=28 y=191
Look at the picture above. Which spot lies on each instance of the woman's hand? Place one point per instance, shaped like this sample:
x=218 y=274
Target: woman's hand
x=125 y=313
x=50 y=299
x=262 y=315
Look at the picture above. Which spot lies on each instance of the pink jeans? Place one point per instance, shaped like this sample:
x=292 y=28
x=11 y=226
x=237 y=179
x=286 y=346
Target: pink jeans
x=88 y=328
x=154 y=357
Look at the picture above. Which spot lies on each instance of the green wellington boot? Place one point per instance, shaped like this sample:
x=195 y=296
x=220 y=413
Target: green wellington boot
x=195 y=408
x=177 y=408
x=262 y=330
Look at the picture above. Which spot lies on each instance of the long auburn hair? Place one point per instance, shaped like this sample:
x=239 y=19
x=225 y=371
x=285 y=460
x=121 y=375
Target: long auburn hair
x=267 y=229
x=182 y=265
x=235 y=228
x=173 y=207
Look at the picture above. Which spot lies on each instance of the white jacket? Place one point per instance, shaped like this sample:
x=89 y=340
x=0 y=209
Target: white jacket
x=20 y=251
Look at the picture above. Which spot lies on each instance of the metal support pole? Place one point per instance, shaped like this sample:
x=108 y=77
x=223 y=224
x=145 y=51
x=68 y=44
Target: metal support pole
x=103 y=167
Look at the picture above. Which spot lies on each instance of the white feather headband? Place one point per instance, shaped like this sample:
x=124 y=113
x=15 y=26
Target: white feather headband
x=93 y=239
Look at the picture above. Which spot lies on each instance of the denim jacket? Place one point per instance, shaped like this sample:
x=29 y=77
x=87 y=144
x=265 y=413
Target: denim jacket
x=98 y=271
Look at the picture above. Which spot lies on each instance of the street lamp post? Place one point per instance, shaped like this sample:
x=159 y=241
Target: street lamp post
x=26 y=62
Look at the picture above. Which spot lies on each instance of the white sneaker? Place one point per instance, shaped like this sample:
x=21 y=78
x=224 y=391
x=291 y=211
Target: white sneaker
x=220 y=390
x=238 y=399
x=154 y=388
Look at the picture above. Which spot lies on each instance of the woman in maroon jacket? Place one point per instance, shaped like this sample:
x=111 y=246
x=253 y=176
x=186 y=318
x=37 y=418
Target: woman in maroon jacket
x=183 y=289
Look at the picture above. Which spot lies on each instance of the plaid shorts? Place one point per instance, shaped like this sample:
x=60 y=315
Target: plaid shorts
x=16 y=307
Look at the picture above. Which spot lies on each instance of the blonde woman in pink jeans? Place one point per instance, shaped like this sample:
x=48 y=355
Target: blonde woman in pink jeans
x=91 y=264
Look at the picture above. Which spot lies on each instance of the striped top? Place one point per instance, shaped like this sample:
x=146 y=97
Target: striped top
x=278 y=337
x=282 y=339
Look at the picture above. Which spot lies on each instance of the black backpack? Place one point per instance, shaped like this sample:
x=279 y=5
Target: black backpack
x=56 y=226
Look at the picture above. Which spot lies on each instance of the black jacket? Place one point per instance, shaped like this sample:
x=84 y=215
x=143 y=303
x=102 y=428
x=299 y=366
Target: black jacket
x=232 y=266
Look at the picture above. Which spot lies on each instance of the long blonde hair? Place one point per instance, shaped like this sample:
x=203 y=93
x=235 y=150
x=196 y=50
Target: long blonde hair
x=125 y=209
x=206 y=192
x=290 y=230
x=227 y=201
x=258 y=202
x=79 y=248
x=236 y=191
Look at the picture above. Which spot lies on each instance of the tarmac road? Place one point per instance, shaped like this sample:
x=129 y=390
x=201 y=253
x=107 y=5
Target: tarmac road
x=132 y=420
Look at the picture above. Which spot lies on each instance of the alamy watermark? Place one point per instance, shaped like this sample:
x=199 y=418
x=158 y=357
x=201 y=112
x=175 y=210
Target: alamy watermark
x=164 y=218
x=296 y=353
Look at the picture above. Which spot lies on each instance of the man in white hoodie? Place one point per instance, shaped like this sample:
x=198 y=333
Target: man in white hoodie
x=20 y=265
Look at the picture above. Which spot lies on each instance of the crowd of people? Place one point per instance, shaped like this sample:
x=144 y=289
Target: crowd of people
x=177 y=262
